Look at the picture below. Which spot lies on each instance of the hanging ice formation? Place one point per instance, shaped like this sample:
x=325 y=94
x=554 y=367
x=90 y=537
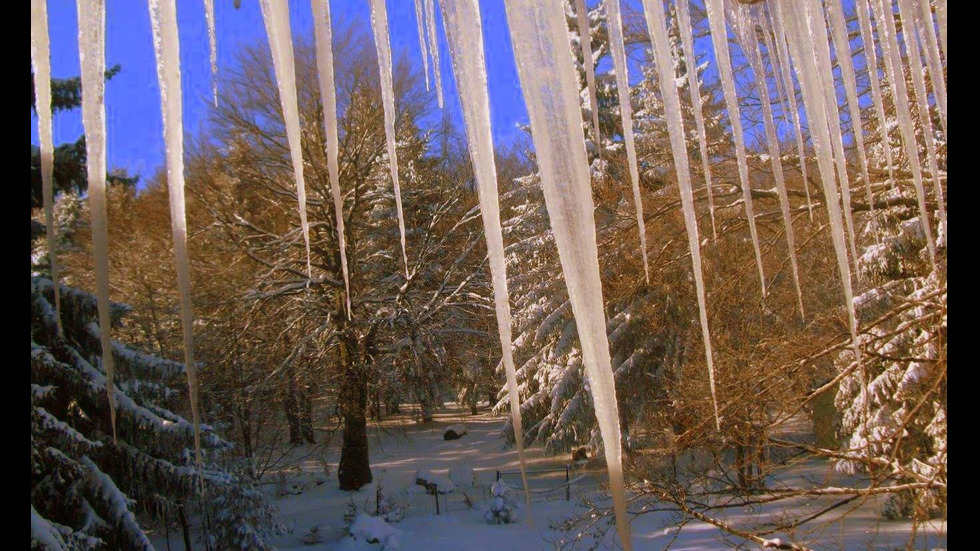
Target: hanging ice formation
x=921 y=100
x=927 y=34
x=540 y=39
x=687 y=41
x=871 y=61
x=941 y=19
x=91 y=48
x=423 y=37
x=719 y=37
x=212 y=48
x=750 y=47
x=323 y=35
x=585 y=37
x=785 y=76
x=657 y=26
x=430 y=16
x=41 y=63
x=614 y=22
x=379 y=25
x=275 y=15
x=888 y=39
x=464 y=32
x=166 y=48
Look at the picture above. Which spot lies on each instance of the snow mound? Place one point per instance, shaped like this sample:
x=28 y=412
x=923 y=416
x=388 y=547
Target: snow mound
x=374 y=530
x=434 y=482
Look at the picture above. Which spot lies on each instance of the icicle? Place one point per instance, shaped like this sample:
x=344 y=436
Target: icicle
x=750 y=47
x=888 y=39
x=922 y=101
x=323 y=36
x=91 y=48
x=941 y=19
x=464 y=32
x=927 y=34
x=719 y=37
x=41 y=62
x=796 y=22
x=539 y=36
x=871 y=57
x=618 y=50
x=275 y=15
x=794 y=112
x=379 y=25
x=212 y=47
x=838 y=29
x=584 y=34
x=430 y=16
x=420 y=23
x=166 y=48
x=687 y=40
x=657 y=27
x=818 y=34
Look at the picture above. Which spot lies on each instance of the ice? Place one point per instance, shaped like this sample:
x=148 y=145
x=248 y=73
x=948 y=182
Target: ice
x=719 y=37
x=323 y=36
x=166 y=48
x=927 y=34
x=618 y=50
x=91 y=48
x=941 y=19
x=379 y=25
x=212 y=48
x=888 y=39
x=922 y=101
x=464 y=33
x=539 y=36
x=584 y=33
x=41 y=63
x=430 y=16
x=871 y=57
x=838 y=29
x=423 y=37
x=275 y=15
x=657 y=27
x=687 y=40
x=750 y=47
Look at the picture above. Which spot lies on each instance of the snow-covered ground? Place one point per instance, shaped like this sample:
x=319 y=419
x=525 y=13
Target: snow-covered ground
x=400 y=448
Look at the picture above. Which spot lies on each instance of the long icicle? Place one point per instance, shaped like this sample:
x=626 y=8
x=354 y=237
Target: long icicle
x=430 y=16
x=423 y=41
x=750 y=46
x=941 y=20
x=539 y=35
x=618 y=50
x=694 y=86
x=838 y=29
x=275 y=15
x=212 y=47
x=922 y=101
x=166 y=48
x=464 y=32
x=323 y=35
x=91 y=47
x=927 y=34
x=379 y=25
x=41 y=63
x=871 y=61
x=585 y=37
x=888 y=39
x=719 y=37
x=657 y=27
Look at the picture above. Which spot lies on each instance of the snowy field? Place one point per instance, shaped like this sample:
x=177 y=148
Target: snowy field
x=400 y=448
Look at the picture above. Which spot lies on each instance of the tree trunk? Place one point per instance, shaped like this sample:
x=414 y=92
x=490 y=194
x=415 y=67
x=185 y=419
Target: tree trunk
x=354 y=470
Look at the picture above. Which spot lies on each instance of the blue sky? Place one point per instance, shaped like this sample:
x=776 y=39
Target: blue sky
x=132 y=98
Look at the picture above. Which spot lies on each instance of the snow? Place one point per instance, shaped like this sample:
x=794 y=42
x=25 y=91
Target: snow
x=614 y=21
x=91 y=48
x=166 y=48
x=582 y=17
x=41 y=64
x=539 y=35
x=379 y=26
x=328 y=96
x=374 y=530
x=464 y=32
x=275 y=15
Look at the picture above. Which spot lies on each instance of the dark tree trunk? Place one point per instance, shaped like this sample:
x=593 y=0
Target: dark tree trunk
x=354 y=470
x=292 y=408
